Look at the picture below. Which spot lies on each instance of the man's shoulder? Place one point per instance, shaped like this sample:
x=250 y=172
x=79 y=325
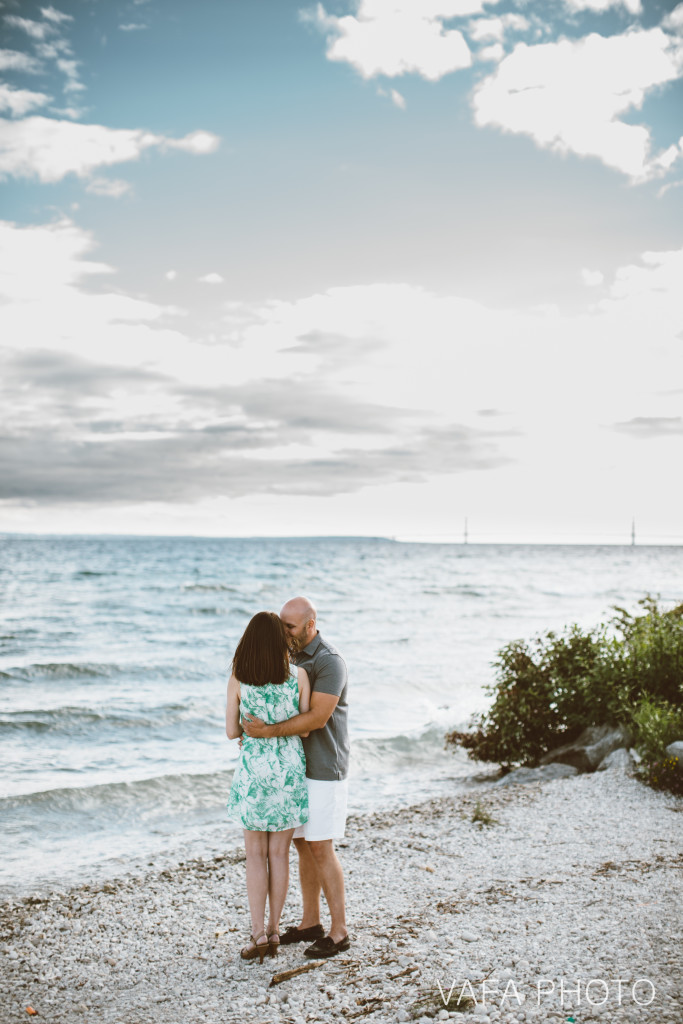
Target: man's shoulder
x=326 y=651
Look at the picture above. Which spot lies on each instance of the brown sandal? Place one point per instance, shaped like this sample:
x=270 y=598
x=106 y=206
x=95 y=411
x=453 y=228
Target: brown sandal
x=259 y=949
x=273 y=943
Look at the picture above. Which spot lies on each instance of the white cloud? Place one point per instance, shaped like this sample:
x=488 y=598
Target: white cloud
x=70 y=69
x=19 y=101
x=581 y=394
x=599 y=6
x=49 y=149
x=568 y=96
x=133 y=27
x=114 y=188
x=493 y=53
x=54 y=49
x=43 y=270
x=198 y=142
x=171 y=275
x=71 y=112
x=35 y=29
x=592 y=278
x=397 y=37
x=395 y=96
x=495 y=28
x=52 y=14
x=212 y=278
x=674 y=19
x=12 y=60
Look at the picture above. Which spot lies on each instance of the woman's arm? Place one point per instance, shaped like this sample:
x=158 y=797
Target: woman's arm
x=233 y=728
x=304 y=693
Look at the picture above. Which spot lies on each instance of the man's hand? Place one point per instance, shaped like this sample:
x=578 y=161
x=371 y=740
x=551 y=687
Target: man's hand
x=256 y=727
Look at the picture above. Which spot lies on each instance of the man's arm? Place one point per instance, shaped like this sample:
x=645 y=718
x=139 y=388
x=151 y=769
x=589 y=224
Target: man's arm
x=322 y=706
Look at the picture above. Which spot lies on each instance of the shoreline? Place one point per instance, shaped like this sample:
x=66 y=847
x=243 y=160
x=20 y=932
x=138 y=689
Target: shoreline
x=576 y=880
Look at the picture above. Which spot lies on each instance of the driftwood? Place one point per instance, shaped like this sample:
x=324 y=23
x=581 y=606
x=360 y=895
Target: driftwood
x=286 y=975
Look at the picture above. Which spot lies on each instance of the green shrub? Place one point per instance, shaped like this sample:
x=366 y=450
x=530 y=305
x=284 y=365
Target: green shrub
x=656 y=724
x=664 y=774
x=549 y=689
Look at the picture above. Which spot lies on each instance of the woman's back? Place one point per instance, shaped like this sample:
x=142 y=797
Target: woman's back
x=268 y=790
x=271 y=702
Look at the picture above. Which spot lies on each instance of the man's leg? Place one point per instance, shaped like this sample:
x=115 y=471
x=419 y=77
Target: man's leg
x=329 y=875
x=310 y=884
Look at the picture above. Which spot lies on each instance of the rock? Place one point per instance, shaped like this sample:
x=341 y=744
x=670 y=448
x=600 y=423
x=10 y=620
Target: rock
x=619 y=759
x=591 y=747
x=675 y=749
x=469 y=936
x=545 y=773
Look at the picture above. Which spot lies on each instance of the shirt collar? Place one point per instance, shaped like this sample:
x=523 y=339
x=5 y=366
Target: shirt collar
x=312 y=647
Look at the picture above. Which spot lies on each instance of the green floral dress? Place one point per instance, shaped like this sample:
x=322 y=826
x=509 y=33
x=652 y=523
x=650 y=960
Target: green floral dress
x=268 y=792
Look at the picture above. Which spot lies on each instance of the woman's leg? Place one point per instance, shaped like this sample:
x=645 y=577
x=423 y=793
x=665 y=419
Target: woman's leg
x=278 y=875
x=256 y=847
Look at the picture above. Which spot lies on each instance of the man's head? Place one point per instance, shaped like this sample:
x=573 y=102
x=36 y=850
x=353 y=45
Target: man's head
x=299 y=619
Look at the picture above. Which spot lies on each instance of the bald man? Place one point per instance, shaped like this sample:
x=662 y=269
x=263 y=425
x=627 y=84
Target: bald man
x=327 y=764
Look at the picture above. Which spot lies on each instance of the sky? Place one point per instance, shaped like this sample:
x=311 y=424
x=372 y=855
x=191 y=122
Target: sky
x=361 y=267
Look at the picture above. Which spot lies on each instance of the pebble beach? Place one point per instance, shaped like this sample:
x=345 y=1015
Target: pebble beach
x=552 y=901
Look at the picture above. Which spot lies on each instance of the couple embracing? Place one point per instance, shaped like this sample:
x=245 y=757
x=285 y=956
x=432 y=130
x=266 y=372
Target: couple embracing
x=287 y=701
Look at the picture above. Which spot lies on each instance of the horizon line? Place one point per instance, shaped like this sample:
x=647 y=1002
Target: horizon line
x=561 y=540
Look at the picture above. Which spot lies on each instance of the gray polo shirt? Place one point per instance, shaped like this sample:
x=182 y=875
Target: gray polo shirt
x=326 y=749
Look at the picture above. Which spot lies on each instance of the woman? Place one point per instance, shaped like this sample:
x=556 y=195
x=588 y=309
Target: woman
x=268 y=794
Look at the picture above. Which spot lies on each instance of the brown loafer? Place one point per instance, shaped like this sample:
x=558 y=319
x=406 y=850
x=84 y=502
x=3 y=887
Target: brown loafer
x=292 y=934
x=326 y=946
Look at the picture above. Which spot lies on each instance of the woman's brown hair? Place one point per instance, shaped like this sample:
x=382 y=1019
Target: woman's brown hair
x=262 y=656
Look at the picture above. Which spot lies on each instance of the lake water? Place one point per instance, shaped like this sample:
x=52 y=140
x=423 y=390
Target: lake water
x=114 y=655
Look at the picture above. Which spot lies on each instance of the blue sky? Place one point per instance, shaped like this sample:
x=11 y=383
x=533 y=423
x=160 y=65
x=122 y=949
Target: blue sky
x=357 y=267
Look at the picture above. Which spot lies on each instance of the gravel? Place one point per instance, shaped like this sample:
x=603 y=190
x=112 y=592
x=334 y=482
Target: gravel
x=567 y=904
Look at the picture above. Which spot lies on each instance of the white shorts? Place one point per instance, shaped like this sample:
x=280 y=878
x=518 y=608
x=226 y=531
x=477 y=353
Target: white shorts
x=326 y=810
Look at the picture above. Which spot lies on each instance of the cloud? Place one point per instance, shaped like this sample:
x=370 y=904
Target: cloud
x=495 y=28
x=114 y=188
x=70 y=69
x=569 y=95
x=171 y=275
x=212 y=278
x=648 y=427
x=52 y=14
x=395 y=96
x=49 y=149
x=198 y=142
x=133 y=27
x=35 y=29
x=102 y=400
x=494 y=53
x=397 y=37
x=592 y=278
x=674 y=19
x=12 y=60
x=599 y=6
x=19 y=101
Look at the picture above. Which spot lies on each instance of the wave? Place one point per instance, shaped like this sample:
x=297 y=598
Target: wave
x=166 y=793
x=209 y=611
x=93 y=670
x=74 y=718
x=201 y=587
x=462 y=590
x=60 y=670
